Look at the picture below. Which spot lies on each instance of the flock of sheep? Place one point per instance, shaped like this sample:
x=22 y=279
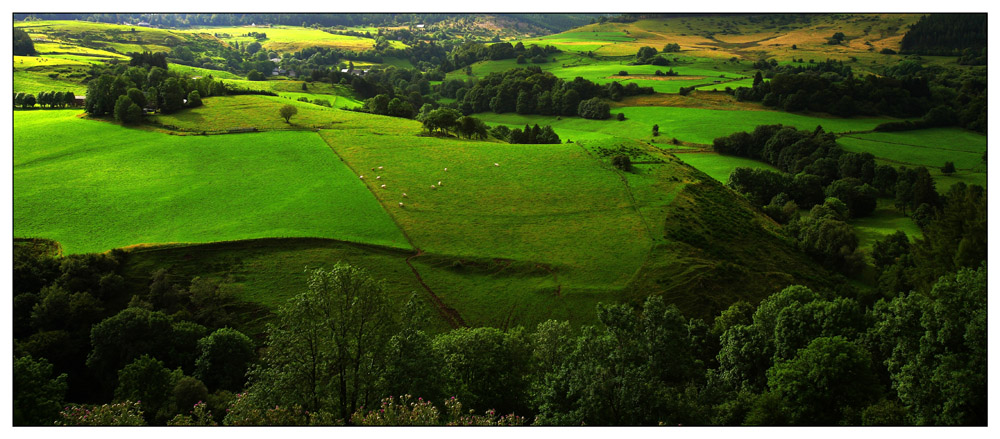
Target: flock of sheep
x=433 y=186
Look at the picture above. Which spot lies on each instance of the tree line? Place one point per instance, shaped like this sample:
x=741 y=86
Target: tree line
x=799 y=357
x=937 y=95
x=531 y=91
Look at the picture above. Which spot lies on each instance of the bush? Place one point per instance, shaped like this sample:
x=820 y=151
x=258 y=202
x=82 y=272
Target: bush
x=194 y=99
x=620 y=117
x=948 y=168
x=622 y=162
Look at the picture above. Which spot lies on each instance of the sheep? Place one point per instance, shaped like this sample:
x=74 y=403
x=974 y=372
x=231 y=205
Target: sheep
x=379 y=168
x=400 y=204
x=440 y=184
x=383 y=186
x=378 y=177
x=373 y=169
x=361 y=177
x=433 y=187
x=496 y=164
x=404 y=195
x=445 y=169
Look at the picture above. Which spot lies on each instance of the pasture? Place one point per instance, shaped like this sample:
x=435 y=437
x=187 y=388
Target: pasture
x=290 y=38
x=720 y=166
x=928 y=147
x=93 y=186
x=695 y=125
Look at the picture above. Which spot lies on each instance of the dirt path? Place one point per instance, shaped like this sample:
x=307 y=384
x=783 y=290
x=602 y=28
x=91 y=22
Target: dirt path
x=449 y=313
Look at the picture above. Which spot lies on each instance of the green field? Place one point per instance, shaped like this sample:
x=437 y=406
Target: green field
x=720 y=166
x=94 y=186
x=928 y=147
x=291 y=38
x=693 y=125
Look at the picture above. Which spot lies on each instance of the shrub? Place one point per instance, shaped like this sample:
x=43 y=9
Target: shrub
x=622 y=161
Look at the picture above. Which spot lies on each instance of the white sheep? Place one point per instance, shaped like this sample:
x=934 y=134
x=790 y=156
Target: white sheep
x=379 y=168
x=361 y=177
x=378 y=177
x=400 y=204
x=383 y=186
x=445 y=169
x=496 y=164
x=440 y=184
x=433 y=187
x=404 y=195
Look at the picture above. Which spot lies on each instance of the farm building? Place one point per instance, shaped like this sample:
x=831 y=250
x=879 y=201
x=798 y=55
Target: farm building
x=356 y=72
x=78 y=100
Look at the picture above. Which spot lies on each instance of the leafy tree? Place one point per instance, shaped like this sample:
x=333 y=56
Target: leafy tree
x=23 y=46
x=622 y=161
x=594 y=108
x=948 y=168
x=287 y=111
x=656 y=130
x=172 y=95
x=414 y=367
x=824 y=381
x=38 y=395
x=486 y=367
x=123 y=413
x=327 y=350
x=224 y=358
x=28 y=101
x=147 y=380
x=194 y=99
x=118 y=340
x=188 y=392
x=934 y=347
x=126 y=111
x=137 y=96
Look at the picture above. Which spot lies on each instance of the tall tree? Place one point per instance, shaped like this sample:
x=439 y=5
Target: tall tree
x=327 y=350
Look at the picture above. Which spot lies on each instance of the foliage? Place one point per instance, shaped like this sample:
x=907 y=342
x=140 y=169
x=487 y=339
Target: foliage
x=22 y=43
x=199 y=416
x=38 y=394
x=342 y=325
x=122 y=413
x=146 y=380
x=403 y=411
x=224 y=358
x=287 y=111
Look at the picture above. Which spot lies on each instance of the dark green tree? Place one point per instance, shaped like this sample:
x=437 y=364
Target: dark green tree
x=38 y=393
x=224 y=358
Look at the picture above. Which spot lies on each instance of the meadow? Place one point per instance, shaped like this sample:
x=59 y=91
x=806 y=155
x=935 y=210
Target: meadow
x=291 y=38
x=93 y=186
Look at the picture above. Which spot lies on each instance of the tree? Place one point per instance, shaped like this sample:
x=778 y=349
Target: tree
x=414 y=367
x=594 y=108
x=622 y=161
x=287 y=111
x=23 y=46
x=137 y=96
x=327 y=350
x=172 y=95
x=224 y=358
x=948 y=168
x=656 y=130
x=126 y=111
x=824 y=382
x=485 y=367
x=147 y=380
x=38 y=394
x=119 y=339
x=194 y=99
x=28 y=101
x=934 y=347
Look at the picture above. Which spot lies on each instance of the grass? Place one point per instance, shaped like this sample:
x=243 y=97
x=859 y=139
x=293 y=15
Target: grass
x=292 y=38
x=885 y=221
x=93 y=186
x=695 y=125
x=271 y=271
x=929 y=147
x=222 y=113
x=720 y=166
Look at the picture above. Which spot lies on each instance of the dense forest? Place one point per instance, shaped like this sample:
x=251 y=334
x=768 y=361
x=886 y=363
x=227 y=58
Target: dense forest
x=946 y=34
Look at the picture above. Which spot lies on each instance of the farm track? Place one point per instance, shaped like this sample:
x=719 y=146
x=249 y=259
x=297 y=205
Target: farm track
x=450 y=315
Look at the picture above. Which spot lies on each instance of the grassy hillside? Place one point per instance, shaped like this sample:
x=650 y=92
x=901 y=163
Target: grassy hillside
x=290 y=38
x=94 y=186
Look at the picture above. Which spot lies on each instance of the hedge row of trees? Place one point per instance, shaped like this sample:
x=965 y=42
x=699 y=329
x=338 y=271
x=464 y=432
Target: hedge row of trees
x=946 y=34
x=940 y=96
x=52 y=99
x=531 y=91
